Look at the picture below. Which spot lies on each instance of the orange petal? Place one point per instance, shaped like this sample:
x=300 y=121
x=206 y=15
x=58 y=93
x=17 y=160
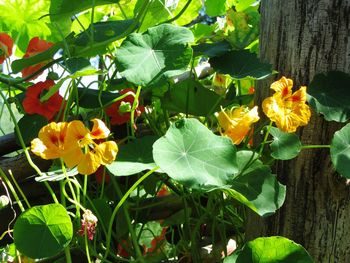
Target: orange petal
x=99 y=130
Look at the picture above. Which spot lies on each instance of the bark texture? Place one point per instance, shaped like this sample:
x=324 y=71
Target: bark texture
x=302 y=38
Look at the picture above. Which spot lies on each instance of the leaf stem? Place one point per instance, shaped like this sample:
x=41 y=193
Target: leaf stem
x=315 y=146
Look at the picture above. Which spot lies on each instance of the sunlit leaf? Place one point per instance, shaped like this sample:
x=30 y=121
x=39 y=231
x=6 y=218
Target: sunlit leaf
x=243 y=27
x=192 y=155
x=270 y=249
x=340 y=151
x=144 y=59
x=285 y=146
x=43 y=231
x=330 y=95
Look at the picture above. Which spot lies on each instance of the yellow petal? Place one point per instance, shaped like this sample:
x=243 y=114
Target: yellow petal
x=76 y=131
x=99 y=130
x=50 y=144
x=107 y=152
x=283 y=86
x=72 y=157
x=237 y=122
x=89 y=163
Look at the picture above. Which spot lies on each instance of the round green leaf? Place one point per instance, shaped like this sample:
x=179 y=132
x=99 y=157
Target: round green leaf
x=241 y=64
x=285 y=146
x=330 y=95
x=270 y=249
x=340 y=151
x=161 y=51
x=192 y=155
x=43 y=231
x=215 y=7
x=134 y=157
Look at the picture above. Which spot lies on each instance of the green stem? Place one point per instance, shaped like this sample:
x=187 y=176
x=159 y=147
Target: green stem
x=128 y=222
x=7 y=181
x=315 y=146
x=25 y=150
x=265 y=138
x=19 y=189
x=179 y=14
x=133 y=108
x=120 y=203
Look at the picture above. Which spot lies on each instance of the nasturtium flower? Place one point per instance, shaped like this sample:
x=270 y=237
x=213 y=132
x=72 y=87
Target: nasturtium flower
x=287 y=109
x=76 y=145
x=6 y=45
x=48 y=108
x=236 y=123
x=35 y=47
x=50 y=143
x=90 y=153
x=119 y=112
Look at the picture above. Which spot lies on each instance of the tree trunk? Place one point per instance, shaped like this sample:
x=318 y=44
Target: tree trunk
x=302 y=38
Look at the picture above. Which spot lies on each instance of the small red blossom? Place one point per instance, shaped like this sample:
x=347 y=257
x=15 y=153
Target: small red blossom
x=33 y=105
x=6 y=44
x=88 y=225
x=35 y=47
x=163 y=191
x=114 y=110
x=251 y=90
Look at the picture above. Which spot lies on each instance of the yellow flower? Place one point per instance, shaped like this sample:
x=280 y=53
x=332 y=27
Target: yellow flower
x=76 y=145
x=88 y=154
x=236 y=123
x=50 y=142
x=288 y=110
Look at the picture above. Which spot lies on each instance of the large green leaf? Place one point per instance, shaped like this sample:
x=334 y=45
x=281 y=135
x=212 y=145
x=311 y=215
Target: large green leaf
x=145 y=59
x=22 y=18
x=241 y=64
x=241 y=5
x=89 y=98
x=285 y=146
x=212 y=49
x=330 y=95
x=103 y=34
x=159 y=11
x=270 y=249
x=192 y=155
x=134 y=157
x=43 y=231
x=340 y=151
x=255 y=186
x=68 y=8
x=188 y=97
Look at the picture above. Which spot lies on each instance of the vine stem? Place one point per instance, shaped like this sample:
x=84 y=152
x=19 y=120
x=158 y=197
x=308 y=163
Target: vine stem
x=120 y=203
x=315 y=146
x=25 y=149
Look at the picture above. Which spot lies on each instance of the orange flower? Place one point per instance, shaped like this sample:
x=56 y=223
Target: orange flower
x=33 y=105
x=288 y=110
x=88 y=155
x=76 y=145
x=236 y=123
x=35 y=47
x=6 y=44
x=119 y=112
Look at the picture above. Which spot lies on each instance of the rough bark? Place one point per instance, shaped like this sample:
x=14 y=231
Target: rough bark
x=302 y=38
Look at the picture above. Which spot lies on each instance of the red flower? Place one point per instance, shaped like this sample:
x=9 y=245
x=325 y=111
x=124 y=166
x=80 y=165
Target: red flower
x=156 y=242
x=115 y=113
x=6 y=44
x=33 y=105
x=35 y=47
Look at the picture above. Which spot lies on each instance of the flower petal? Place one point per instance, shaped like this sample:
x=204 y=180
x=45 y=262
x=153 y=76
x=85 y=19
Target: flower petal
x=107 y=152
x=99 y=130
